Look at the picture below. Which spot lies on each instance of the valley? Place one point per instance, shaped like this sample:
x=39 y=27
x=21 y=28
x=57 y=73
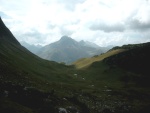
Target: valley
x=66 y=50
x=113 y=82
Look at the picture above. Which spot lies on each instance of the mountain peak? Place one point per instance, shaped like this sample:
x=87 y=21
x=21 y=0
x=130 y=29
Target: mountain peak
x=65 y=38
x=6 y=35
x=1 y=22
x=82 y=42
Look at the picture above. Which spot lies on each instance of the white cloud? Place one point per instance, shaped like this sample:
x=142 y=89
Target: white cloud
x=105 y=22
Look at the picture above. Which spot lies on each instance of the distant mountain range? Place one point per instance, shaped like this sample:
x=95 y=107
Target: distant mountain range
x=88 y=44
x=68 y=50
x=33 y=48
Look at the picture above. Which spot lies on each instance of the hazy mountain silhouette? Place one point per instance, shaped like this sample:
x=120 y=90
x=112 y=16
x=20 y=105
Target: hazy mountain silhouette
x=33 y=48
x=89 y=44
x=68 y=50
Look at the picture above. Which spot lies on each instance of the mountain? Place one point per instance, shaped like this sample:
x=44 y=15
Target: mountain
x=88 y=44
x=67 y=50
x=32 y=48
x=29 y=84
x=18 y=62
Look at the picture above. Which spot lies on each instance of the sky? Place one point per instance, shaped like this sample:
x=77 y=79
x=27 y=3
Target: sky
x=104 y=22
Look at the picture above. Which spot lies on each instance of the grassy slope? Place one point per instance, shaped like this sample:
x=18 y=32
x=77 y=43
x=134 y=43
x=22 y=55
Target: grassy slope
x=126 y=74
x=19 y=68
x=101 y=84
x=128 y=66
x=85 y=62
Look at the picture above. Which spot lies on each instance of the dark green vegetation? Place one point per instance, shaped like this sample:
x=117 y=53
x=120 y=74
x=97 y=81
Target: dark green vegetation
x=29 y=84
x=136 y=59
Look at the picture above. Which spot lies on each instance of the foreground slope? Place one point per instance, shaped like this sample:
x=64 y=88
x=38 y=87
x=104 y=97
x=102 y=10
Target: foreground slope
x=29 y=84
x=135 y=60
x=125 y=75
x=16 y=61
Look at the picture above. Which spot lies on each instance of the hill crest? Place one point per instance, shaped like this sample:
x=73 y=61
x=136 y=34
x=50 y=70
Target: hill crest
x=6 y=35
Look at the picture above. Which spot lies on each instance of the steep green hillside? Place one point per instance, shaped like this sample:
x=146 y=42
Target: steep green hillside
x=125 y=75
x=16 y=61
x=29 y=84
x=135 y=60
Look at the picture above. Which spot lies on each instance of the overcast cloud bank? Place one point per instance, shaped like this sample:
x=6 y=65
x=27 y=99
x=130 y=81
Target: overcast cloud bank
x=105 y=22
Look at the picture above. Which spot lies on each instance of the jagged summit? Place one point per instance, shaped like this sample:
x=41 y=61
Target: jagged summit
x=65 y=38
x=6 y=35
x=67 y=50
